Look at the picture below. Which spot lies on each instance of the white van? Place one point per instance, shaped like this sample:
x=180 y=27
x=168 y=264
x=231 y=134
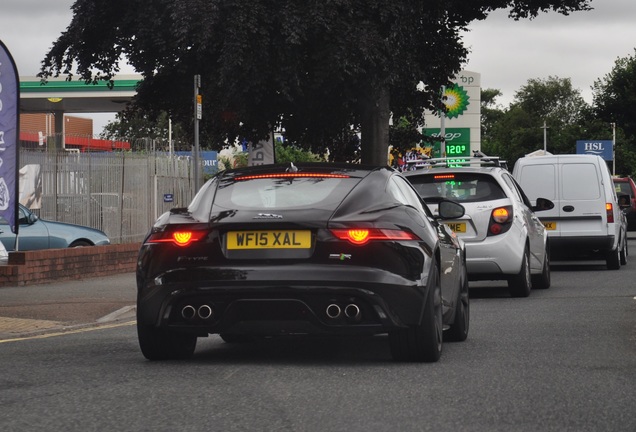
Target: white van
x=586 y=221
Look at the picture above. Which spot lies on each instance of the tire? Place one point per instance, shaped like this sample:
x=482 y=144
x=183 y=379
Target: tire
x=80 y=243
x=624 y=253
x=161 y=344
x=520 y=284
x=458 y=331
x=422 y=342
x=543 y=281
x=613 y=259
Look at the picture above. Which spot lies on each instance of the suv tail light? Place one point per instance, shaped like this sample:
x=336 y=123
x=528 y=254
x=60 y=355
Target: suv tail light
x=500 y=220
x=610 y=212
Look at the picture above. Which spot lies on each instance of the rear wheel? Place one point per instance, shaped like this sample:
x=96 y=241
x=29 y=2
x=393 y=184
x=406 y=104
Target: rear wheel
x=458 y=331
x=543 y=281
x=520 y=284
x=162 y=344
x=613 y=259
x=422 y=342
x=624 y=253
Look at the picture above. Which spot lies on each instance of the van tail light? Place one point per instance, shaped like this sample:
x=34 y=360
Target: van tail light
x=179 y=237
x=360 y=236
x=500 y=220
x=610 y=212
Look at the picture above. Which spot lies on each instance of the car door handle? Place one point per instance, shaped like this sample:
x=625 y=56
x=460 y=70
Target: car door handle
x=568 y=208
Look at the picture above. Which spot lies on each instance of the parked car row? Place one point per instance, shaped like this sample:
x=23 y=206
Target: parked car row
x=35 y=234
x=339 y=249
x=312 y=249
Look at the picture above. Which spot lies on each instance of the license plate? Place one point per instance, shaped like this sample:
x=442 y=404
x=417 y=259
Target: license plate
x=458 y=227
x=286 y=239
x=550 y=226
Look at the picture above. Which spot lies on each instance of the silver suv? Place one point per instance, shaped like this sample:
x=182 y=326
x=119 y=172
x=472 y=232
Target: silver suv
x=504 y=238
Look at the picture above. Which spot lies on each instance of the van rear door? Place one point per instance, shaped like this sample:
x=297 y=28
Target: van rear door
x=582 y=210
x=540 y=180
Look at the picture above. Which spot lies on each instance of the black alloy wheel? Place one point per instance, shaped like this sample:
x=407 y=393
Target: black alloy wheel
x=458 y=331
x=422 y=342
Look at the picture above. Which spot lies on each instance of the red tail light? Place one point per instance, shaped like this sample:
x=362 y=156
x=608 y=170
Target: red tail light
x=360 y=236
x=179 y=237
x=500 y=220
x=610 y=212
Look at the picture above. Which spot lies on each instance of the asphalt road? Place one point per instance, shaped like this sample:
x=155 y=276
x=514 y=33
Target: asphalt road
x=563 y=359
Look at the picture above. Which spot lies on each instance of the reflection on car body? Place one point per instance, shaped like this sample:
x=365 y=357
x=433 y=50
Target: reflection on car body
x=35 y=233
x=327 y=249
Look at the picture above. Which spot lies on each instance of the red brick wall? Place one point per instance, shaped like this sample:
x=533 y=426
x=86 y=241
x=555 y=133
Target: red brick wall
x=43 y=266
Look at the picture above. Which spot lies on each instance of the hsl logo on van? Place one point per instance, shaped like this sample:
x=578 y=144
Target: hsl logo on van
x=602 y=148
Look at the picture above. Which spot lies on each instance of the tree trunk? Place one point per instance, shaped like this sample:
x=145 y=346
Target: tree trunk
x=375 y=127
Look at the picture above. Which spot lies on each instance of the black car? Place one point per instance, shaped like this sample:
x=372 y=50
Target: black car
x=312 y=249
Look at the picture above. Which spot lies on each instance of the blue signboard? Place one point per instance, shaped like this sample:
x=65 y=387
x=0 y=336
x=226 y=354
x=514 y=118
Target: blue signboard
x=208 y=159
x=602 y=148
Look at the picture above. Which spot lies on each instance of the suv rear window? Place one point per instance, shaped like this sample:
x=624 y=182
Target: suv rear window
x=623 y=188
x=460 y=187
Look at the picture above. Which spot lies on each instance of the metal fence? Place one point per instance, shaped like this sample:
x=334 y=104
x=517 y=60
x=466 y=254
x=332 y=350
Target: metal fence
x=121 y=194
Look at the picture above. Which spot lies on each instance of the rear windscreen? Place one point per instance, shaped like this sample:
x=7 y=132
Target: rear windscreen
x=284 y=193
x=461 y=187
x=623 y=188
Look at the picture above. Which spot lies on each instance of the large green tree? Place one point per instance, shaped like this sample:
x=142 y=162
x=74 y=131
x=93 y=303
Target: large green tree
x=551 y=103
x=315 y=68
x=615 y=97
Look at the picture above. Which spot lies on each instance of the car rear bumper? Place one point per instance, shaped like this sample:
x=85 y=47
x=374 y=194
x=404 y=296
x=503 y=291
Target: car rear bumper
x=580 y=246
x=497 y=255
x=269 y=301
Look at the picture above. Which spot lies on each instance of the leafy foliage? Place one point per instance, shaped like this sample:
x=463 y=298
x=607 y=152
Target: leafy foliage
x=615 y=96
x=317 y=69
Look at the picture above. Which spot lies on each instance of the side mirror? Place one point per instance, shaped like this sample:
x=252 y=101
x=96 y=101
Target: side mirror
x=624 y=201
x=450 y=209
x=543 y=204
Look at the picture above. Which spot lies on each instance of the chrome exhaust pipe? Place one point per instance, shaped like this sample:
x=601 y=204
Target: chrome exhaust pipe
x=333 y=311
x=188 y=312
x=204 y=312
x=352 y=311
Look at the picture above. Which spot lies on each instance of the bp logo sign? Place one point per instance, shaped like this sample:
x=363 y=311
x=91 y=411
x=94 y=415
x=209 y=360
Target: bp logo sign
x=456 y=100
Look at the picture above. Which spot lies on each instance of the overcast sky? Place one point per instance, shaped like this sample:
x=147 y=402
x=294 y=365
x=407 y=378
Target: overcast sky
x=582 y=46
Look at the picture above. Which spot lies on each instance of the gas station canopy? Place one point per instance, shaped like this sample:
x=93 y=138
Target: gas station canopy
x=76 y=96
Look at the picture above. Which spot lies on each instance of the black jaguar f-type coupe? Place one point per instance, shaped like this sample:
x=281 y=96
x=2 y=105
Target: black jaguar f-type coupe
x=306 y=249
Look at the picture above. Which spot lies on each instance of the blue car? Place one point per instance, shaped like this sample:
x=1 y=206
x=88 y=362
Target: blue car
x=35 y=233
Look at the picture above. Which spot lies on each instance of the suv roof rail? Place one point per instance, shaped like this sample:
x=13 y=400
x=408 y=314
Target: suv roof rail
x=459 y=161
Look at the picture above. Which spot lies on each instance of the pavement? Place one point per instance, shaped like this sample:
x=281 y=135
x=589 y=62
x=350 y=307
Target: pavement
x=62 y=306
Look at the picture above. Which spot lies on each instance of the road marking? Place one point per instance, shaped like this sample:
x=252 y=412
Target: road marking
x=63 y=333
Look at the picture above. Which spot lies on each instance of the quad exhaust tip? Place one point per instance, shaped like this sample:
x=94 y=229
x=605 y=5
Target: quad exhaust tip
x=333 y=311
x=352 y=312
x=203 y=312
x=188 y=312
